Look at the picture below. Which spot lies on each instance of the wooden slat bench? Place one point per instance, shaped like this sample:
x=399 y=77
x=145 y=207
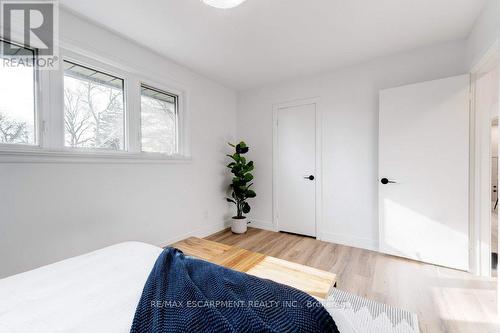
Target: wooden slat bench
x=313 y=281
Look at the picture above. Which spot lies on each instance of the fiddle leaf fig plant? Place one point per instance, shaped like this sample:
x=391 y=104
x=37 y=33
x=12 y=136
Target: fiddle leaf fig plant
x=242 y=179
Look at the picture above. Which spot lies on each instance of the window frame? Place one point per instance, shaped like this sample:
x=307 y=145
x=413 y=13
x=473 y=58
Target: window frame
x=177 y=97
x=38 y=109
x=51 y=142
x=107 y=71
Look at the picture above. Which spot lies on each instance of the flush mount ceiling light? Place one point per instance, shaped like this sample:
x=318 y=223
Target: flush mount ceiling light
x=224 y=4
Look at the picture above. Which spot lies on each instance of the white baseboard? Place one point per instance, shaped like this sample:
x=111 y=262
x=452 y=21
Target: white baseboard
x=200 y=232
x=259 y=224
x=363 y=243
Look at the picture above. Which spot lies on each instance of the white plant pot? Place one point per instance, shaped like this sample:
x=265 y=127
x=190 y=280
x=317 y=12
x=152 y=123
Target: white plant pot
x=239 y=226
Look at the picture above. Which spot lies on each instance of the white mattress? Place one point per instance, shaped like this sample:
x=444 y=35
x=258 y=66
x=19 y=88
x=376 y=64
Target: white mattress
x=95 y=292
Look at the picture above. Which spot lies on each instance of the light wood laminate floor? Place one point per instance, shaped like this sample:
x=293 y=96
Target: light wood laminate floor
x=445 y=300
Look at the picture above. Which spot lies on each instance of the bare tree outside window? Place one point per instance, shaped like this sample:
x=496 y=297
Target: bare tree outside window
x=93 y=109
x=12 y=131
x=158 y=121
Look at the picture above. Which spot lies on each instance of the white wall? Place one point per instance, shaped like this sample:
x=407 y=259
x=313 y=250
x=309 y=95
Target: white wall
x=52 y=211
x=349 y=103
x=494 y=140
x=485 y=32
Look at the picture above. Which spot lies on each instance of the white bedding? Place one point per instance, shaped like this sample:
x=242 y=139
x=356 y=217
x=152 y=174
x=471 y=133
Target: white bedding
x=94 y=292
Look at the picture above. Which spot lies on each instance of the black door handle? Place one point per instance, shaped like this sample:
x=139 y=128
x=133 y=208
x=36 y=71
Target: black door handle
x=386 y=181
x=311 y=177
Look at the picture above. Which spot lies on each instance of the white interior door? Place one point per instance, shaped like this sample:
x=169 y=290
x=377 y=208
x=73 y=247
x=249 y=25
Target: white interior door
x=296 y=169
x=424 y=149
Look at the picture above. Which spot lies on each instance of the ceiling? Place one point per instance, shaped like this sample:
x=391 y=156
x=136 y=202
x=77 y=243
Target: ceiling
x=265 y=41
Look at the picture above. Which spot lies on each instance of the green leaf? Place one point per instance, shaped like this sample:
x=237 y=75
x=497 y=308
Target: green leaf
x=230 y=200
x=233 y=157
x=246 y=208
x=239 y=180
x=249 y=167
x=241 y=148
x=251 y=194
x=248 y=177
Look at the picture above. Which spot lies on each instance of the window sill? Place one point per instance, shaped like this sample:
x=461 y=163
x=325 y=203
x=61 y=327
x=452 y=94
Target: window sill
x=44 y=156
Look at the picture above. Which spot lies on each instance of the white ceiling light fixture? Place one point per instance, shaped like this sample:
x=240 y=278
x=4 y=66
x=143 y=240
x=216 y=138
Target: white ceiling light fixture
x=224 y=4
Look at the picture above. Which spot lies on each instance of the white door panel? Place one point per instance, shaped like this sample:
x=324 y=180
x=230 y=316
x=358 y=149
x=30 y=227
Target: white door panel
x=424 y=148
x=296 y=197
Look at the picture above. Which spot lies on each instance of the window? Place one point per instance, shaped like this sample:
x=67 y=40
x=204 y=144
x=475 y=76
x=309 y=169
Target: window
x=94 y=114
x=159 y=113
x=82 y=111
x=17 y=96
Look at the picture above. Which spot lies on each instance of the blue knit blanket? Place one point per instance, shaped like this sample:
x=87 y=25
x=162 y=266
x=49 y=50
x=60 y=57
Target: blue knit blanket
x=184 y=294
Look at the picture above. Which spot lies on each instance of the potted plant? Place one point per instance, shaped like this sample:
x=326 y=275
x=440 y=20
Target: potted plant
x=240 y=186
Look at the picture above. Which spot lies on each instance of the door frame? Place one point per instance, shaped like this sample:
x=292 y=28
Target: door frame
x=480 y=186
x=319 y=161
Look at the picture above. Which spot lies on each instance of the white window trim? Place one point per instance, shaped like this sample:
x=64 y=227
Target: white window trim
x=50 y=146
x=45 y=156
x=105 y=69
x=181 y=119
x=40 y=78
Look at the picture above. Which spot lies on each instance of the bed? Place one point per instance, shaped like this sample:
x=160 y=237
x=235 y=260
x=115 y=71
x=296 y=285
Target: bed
x=94 y=292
